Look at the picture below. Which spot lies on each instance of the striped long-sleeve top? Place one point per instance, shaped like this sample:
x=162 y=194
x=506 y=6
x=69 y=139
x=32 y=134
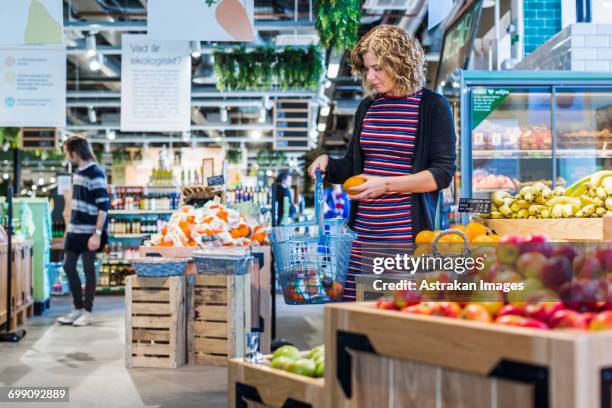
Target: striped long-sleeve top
x=388 y=136
x=89 y=195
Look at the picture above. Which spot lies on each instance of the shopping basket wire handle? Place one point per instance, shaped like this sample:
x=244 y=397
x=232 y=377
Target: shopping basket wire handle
x=319 y=207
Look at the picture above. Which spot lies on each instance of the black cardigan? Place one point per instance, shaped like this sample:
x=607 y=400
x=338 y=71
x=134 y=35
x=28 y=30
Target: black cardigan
x=434 y=151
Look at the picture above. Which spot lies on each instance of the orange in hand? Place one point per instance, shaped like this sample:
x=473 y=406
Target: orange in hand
x=352 y=182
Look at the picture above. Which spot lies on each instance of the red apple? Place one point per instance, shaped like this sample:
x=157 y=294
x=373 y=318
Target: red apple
x=404 y=298
x=477 y=312
x=601 y=321
x=583 y=295
x=509 y=320
x=537 y=243
x=508 y=249
x=385 y=304
x=512 y=310
x=556 y=272
x=530 y=264
x=533 y=323
x=604 y=255
x=588 y=317
x=603 y=306
x=421 y=308
x=445 y=309
x=563 y=249
x=519 y=321
x=567 y=319
x=543 y=311
x=590 y=268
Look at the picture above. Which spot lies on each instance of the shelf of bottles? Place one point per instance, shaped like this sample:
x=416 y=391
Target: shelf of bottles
x=115 y=266
x=137 y=200
x=259 y=196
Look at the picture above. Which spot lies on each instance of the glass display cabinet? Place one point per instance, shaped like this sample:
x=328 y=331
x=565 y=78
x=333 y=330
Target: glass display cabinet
x=518 y=127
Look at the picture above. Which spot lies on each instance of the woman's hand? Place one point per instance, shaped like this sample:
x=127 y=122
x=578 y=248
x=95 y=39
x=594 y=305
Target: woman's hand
x=374 y=187
x=320 y=163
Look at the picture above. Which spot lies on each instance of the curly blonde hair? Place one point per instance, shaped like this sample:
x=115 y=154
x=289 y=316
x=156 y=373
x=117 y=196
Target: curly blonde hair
x=398 y=53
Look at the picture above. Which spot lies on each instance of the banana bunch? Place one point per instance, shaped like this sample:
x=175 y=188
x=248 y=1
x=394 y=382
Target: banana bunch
x=588 y=197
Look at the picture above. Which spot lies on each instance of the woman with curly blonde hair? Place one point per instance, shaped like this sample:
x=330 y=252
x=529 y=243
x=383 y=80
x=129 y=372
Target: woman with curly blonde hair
x=403 y=145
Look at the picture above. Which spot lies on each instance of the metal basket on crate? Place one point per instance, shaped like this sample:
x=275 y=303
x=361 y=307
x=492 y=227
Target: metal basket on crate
x=222 y=263
x=159 y=267
x=312 y=258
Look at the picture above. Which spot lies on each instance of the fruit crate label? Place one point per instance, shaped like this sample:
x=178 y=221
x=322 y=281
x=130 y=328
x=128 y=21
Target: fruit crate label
x=475 y=205
x=215 y=181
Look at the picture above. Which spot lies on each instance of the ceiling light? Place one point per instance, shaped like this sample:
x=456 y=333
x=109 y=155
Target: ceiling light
x=41 y=181
x=267 y=102
x=52 y=180
x=321 y=127
x=223 y=114
x=196 y=49
x=328 y=83
x=5 y=176
x=34 y=187
x=90 y=45
x=186 y=135
x=269 y=173
x=91 y=114
x=44 y=189
x=256 y=134
x=325 y=111
x=218 y=139
x=94 y=63
x=262 y=115
x=24 y=192
x=488 y=3
x=332 y=70
x=111 y=134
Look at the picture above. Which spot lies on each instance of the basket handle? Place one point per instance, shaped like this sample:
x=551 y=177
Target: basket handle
x=466 y=242
x=319 y=202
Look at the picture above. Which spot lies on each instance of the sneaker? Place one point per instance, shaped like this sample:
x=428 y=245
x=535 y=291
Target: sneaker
x=85 y=319
x=70 y=317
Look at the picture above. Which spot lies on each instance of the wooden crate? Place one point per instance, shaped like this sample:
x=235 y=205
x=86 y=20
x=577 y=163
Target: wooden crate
x=221 y=318
x=272 y=387
x=156 y=318
x=557 y=229
x=387 y=358
x=261 y=283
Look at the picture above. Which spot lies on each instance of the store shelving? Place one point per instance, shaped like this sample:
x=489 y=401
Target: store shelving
x=540 y=154
x=140 y=212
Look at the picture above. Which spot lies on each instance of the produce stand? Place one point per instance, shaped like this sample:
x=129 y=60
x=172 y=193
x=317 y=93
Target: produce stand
x=387 y=358
x=559 y=229
x=21 y=286
x=272 y=387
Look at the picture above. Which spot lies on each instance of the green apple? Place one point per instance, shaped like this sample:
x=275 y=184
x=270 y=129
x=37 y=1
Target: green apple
x=281 y=362
x=316 y=351
x=287 y=351
x=320 y=369
x=303 y=366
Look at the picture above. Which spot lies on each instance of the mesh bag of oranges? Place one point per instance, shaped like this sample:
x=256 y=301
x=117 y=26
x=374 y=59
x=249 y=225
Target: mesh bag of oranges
x=212 y=225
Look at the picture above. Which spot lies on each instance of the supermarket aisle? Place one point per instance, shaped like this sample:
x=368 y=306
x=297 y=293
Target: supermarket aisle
x=90 y=361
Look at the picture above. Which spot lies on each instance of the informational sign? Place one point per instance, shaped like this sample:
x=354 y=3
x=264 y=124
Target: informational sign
x=291 y=124
x=215 y=181
x=201 y=20
x=38 y=138
x=458 y=41
x=31 y=22
x=32 y=86
x=155 y=85
x=485 y=101
x=475 y=205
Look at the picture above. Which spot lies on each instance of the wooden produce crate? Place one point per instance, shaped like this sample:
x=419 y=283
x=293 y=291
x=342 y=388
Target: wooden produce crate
x=557 y=229
x=156 y=319
x=261 y=280
x=271 y=387
x=386 y=358
x=221 y=318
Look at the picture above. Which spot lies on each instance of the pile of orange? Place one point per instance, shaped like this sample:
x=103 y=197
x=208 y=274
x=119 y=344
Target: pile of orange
x=453 y=243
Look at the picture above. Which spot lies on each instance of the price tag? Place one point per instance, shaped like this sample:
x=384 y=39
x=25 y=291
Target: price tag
x=475 y=205
x=215 y=181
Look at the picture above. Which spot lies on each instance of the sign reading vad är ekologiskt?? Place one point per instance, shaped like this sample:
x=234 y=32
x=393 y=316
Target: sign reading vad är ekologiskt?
x=155 y=85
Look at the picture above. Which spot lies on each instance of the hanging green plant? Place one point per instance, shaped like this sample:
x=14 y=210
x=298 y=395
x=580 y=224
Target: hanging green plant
x=264 y=67
x=338 y=23
x=267 y=158
x=9 y=137
x=121 y=156
x=233 y=155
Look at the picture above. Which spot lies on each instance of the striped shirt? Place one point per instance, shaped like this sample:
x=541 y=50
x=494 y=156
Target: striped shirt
x=388 y=136
x=89 y=195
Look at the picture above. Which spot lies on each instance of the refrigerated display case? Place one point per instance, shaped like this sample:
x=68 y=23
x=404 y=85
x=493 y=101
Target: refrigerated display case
x=521 y=126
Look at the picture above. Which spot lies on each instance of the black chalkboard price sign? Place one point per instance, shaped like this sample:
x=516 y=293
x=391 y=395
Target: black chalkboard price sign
x=215 y=181
x=475 y=205
x=38 y=138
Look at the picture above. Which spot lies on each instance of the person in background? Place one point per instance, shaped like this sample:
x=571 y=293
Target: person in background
x=403 y=146
x=337 y=202
x=284 y=203
x=86 y=233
